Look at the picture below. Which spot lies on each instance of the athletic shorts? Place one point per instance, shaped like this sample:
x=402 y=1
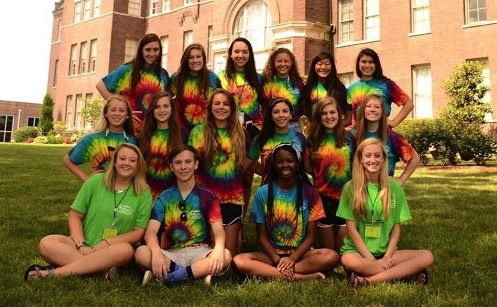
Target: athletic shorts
x=330 y=206
x=231 y=213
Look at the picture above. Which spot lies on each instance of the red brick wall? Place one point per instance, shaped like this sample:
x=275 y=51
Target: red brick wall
x=27 y=110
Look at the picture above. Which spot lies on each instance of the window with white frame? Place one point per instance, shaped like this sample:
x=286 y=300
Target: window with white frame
x=372 y=19
x=166 y=5
x=96 y=8
x=33 y=121
x=346 y=78
x=78 y=119
x=187 y=39
x=346 y=16
x=135 y=7
x=154 y=6
x=93 y=55
x=6 y=125
x=73 y=61
x=77 y=11
x=420 y=15
x=209 y=35
x=130 y=49
x=422 y=89
x=87 y=11
x=55 y=73
x=253 y=22
x=59 y=30
x=476 y=11
x=69 y=113
x=83 y=54
x=164 y=40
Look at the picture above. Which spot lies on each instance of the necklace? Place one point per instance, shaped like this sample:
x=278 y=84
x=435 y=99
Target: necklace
x=373 y=203
x=116 y=204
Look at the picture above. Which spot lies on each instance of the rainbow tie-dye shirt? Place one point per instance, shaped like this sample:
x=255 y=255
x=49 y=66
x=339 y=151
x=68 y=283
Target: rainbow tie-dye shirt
x=287 y=230
x=292 y=136
x=386 y=88
x=98 y=148
x=223 y=178
x=285 y=88
x=159 y=175
x=245 y=96
x=202 y=210
x=319 y=92
x=397 y=148
x=332 y=166
x=119 y=82
x=192 y=108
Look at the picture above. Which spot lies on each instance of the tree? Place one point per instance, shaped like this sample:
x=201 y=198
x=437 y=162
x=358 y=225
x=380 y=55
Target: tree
x=92 y=110
x=46 y=117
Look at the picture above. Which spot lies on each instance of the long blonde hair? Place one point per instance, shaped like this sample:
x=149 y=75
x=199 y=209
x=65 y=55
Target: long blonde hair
x=358 y=189
x=138 y=180
x=235 y=131
x=103 y=122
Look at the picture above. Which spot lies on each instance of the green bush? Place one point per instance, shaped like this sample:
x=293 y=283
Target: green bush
x=55 y=139
x=41 y=140
x=422 y=134
x=24 y=133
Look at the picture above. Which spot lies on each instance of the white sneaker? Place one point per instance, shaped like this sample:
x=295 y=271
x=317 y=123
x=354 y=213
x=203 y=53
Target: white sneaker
x=209 y=280
x=147 y=277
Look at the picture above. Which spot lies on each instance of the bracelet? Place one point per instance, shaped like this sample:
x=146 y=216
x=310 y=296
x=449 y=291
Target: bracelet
x=81 y=244
x=107 y=241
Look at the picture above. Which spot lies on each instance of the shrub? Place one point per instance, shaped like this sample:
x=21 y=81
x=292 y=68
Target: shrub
x=75 y=137
x=422 y=134
x=46 y=117
x=41 y=140
x=24 y=133
x=55 y=139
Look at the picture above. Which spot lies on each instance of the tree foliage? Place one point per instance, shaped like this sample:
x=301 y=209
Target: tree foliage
x=46 y=117
x=92 y=110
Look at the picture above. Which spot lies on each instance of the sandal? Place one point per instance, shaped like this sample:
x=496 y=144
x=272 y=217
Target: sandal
x=356 y=281
x=112 y=274
x=418 y=277
x=38 y=268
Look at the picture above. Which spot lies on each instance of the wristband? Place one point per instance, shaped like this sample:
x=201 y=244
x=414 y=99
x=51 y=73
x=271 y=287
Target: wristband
x=81 y=244
x=107 y=241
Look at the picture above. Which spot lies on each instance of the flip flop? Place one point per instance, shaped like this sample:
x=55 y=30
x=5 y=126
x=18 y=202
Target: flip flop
x=356 y=281
x=425 y=272
x=37 y=268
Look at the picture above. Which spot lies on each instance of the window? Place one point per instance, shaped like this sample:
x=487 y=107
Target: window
x=83 y=63
x=59 y=30
x=187 y=39
x=209 y=35
x=164 y=40
x=372 y=20
x=73 y=62
x=476 y=11
x=69 y=113
x=87 y=12
x=93 y=55
x=55 y=73
x=77 y=11
x=188 y=2
x=96 y=8
x=346 y=78
x=78 y=120
x=6 y=122
x=420 y=16
x=253 y=23
x=33 y=121
x=423 y=103
x=346 y=15
x=154 y=6
x=135 y=7
x=130 y=49
x=166 y=5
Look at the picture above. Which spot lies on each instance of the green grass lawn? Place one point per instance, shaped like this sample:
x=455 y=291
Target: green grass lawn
x=454 y=215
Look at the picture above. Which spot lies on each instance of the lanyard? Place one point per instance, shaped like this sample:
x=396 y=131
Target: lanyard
x=116 y=204
x=373 y=204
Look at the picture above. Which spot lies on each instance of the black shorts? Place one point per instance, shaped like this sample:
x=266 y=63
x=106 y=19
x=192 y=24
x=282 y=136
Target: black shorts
x=231 y=213
x=330 y=206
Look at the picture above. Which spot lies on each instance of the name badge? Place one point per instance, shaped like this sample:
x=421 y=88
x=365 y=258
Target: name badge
x=109 y=232
x=373 y=230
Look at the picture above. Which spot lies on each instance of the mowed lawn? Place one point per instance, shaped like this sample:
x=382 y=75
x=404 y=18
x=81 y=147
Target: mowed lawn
x=454 y=215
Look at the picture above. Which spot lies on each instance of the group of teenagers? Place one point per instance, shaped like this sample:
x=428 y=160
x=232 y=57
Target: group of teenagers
x=174 y=159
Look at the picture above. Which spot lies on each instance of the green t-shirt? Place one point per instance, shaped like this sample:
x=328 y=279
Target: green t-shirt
x=97 y=204
x=399 y=212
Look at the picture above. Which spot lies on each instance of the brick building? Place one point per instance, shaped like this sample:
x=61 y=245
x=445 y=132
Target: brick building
x=14 y=114
x=92 y=37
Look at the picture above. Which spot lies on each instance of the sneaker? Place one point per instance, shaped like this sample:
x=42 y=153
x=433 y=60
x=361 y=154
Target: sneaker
x=209 y=280
x=147 y=277
x=112 y=274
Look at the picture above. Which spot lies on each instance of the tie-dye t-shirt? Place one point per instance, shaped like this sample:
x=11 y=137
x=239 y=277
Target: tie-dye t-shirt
x=192 y=108
x=223 y=178
x=202 y=210
x=332 y=166
x=286 y=231
x=98 y=148
x=386 y=88
x=397 y=148
x=292 y=136
x=318 y=92
x=159 y=175
x=119 y=82
x=245 y=96
x=285 y=88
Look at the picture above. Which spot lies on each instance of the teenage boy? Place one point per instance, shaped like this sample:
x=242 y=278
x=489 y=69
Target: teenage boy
x=188 y=213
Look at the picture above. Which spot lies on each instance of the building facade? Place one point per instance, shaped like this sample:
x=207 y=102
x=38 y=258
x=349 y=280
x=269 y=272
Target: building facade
x=14 y=114
x=90 y=38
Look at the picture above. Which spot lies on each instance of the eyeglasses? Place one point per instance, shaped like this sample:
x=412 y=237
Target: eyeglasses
x=182 y=205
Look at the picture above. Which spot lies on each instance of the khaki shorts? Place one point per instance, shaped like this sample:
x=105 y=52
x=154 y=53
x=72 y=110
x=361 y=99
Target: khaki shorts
x=187 y=255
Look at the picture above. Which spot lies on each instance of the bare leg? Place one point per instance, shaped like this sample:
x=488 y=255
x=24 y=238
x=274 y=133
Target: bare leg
x=317 y=260
x=340 y=233
x=202 y=267
x=232 y=237
x=326 y=237
x=59 y=250
x=143 y=257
